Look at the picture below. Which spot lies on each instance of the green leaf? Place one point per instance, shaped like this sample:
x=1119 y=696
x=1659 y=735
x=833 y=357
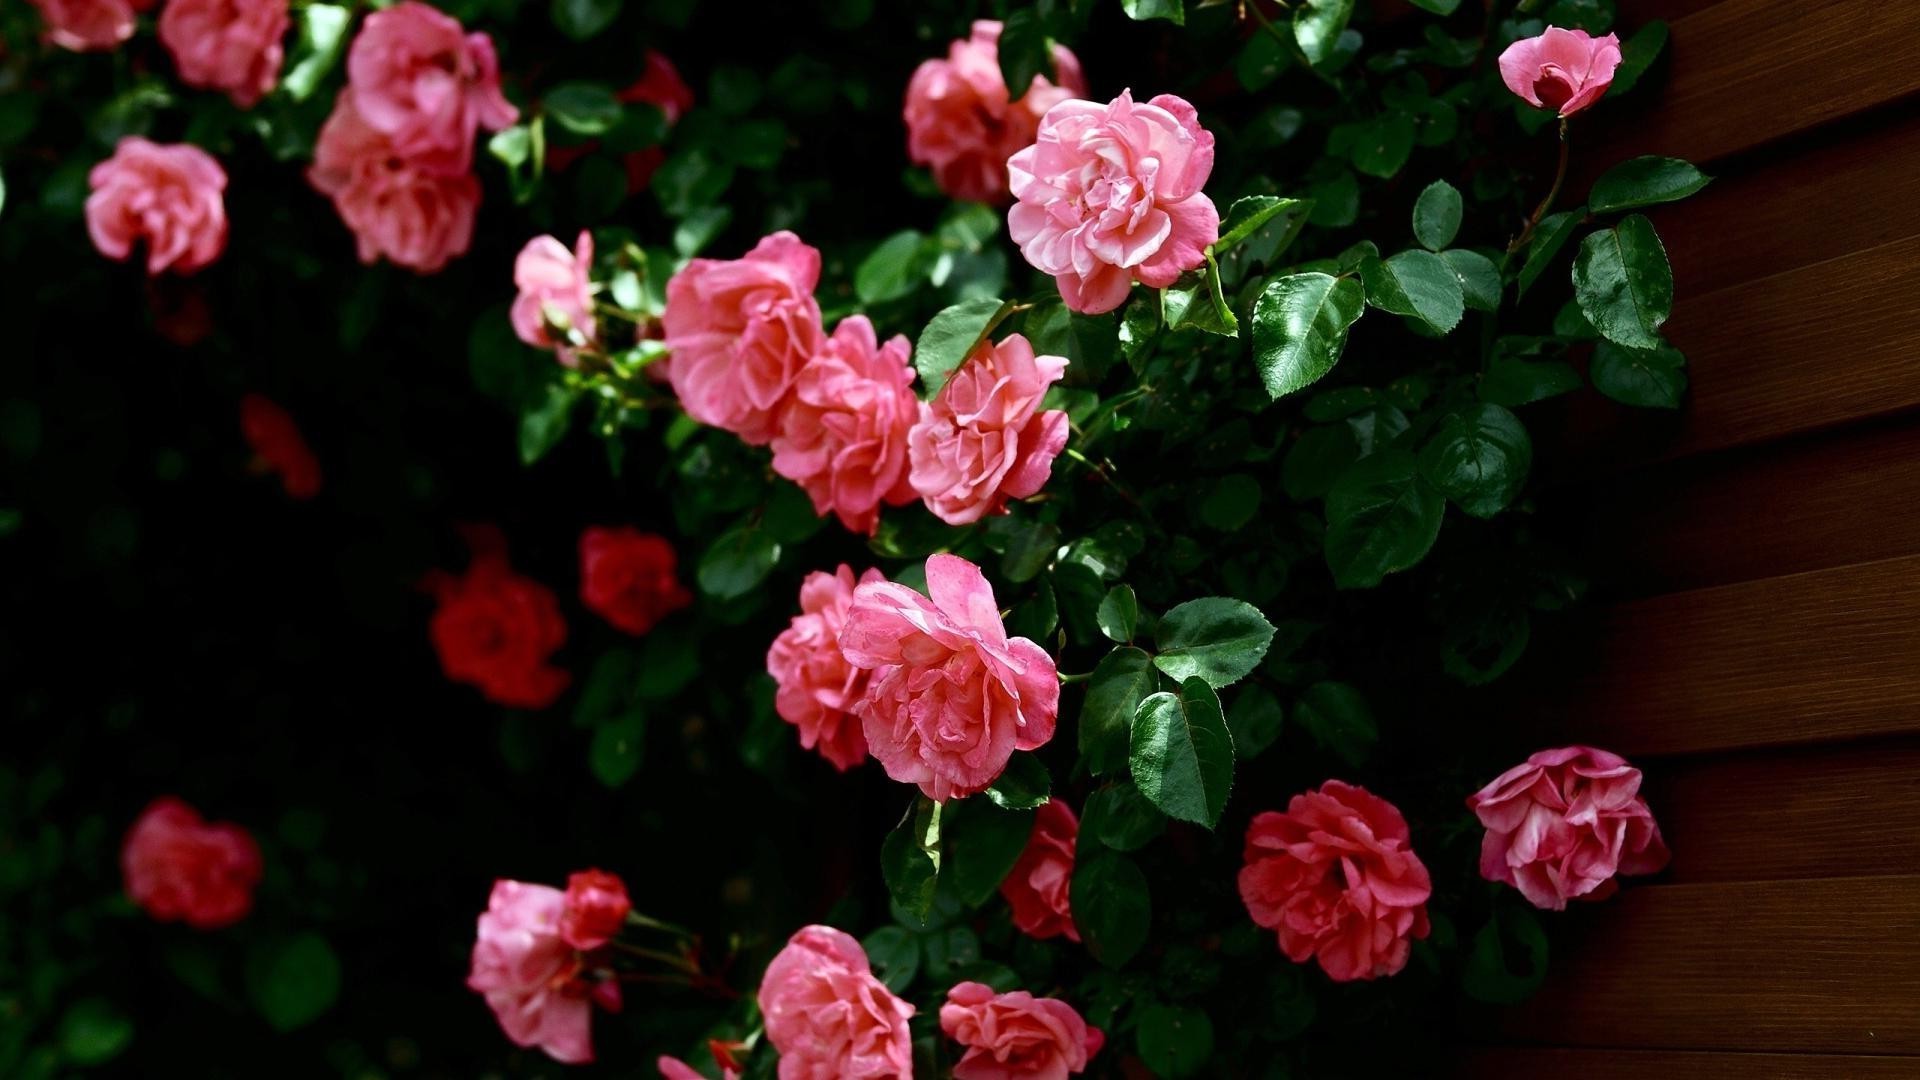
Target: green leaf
x=1637 y=54
x=1382 y=517
x=893 y=270
x=894 y=952
x=1030 y=547
x=582 y=19
x=1479 y=278
x=1174 y=1041
x=1479 y=458
x=522 y=148
x=608 y=689
x=1624 y=284
x=1251 y=214
x=1112 y=906
x=1230 y=502
x=1491 y=973
x=1216 y=638
x=1418 y=284
x=94 y=1031
x=1318 y=458
x=737 y=563
x=1337 y=717
x=1650 y=378
x=1119 y=681
x=293 y=982
x=1118 y=614
x=1121 y=818
x=1436 y=215
x=323 y=36
x=1300 y=328
x=734 y=89
x=1254 y=721
x=1181 y=753
x=1260 y=61
x=1022 y=785
x=910 y=858
x=1317 y=25
x=1645 y=181
x=690 y=179
x=1549 y=237
x=981 y=842
x=1438 y=7
x=950 y=337
x=698 y=229
x=583 y=108
x=617 y=747
x=545 y=423
x=1174 y=11
x=1512 y=382
x=1381 y=146
x=1196 y=300
x=1023 y=51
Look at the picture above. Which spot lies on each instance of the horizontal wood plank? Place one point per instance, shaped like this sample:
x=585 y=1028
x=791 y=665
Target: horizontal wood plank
x=1790 y=966
x=1518 y=1063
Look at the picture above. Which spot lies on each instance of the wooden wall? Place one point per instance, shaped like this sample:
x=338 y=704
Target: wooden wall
x=1758 y=648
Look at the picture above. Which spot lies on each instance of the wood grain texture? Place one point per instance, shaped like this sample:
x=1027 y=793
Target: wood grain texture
x=1790 y=966
x=1543 y=1064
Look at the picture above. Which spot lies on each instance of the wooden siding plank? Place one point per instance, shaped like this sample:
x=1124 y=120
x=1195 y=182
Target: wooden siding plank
x=1543 y=1064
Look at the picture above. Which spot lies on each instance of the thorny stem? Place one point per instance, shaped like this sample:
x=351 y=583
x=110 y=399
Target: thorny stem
x=1559 y=178
x=1106 y=477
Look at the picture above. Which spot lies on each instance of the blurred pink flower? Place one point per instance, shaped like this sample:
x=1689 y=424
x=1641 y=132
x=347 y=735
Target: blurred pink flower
x=961 y=120
x=171 y=196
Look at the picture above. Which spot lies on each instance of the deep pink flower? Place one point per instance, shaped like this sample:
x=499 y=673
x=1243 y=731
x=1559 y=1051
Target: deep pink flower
x=630 y=578
x=595 y=908
x=828 y=1016
x=419 y=79
x=172 y=197
x=1037 y=887
x=1016 y=1036
x=961 y=123
x=843 y=435
x=817 y=686
x=1561 y=70
x=740 y=331
x=229 y=45
x=951 y=697
x=179 y=868
x=556 y=291
x=1337 y=877
x=982 y=439
x=1561 y=825
x=675 y=1069
x=1110 y=194
x=279 y=446
x=497 y=630
x=534 y=982
x=89 y=25
x=412 y=214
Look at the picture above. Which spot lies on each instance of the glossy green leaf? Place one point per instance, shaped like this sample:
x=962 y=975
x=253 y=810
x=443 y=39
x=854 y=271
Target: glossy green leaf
x=910 y=858
x=1112 y=906
x=1418 y=284
x=582 y=19
x=1181 y=753
x=1023 y=785
x=1023 y=51
x=893 y=270
x=1436 y=215
x=1624 y=284
x=618 y=745
x=1438 y=7
x=323 y=37
x=1174 y=1041
x=980 y=842
x=1317 y=25
x=1382 y=517
x=1510 y=381
x=894 y=952
x=1121 y=679
x=1637 y=54
x=1645 y=181
x=950 y=336
x=1174 y=11
x=1650 y=378
x=1480 y=283
x=583 y=108
x=1549 y=237
x=545 y=423
x=1118 y=614
x=1254 y=720
x=293 y=981
x=1300 y=327
x=1121 y=818
x=1508 y=959
x=1253 y=213
x=1337 y=717
x=737 y=563
x=1479 y=458
x=1382 y=146
x=1230 y=502
x=1216 y=638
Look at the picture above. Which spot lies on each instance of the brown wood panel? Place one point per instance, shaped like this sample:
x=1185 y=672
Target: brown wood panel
x=1636 y=13
x=1790 y=966
x=1542 y=1064
x=1815 y=657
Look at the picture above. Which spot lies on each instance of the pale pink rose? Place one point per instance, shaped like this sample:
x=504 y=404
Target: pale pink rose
x=952 y=696
x=843 y=435
x=228 y=45
x=414 y=216
x=1110 y=194
x=89 y=25
x=817 y=686
x=961 y=123
x=1337 y=877
x=426 y=84
x=172 y=197
x=1016 y=1036
x=828 y=1016
x=533 y=980
x=982 y=439
x=1562 y=70
x=556 y=289
x=1564 y=823
x=1037 y=888
x=740 y=331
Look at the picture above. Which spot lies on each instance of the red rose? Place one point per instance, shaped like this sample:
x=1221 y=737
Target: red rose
x=1036 y=887
x=627 y=578
x=496 y=630
x=180 y=868
x=595 y=909
x=279 y=447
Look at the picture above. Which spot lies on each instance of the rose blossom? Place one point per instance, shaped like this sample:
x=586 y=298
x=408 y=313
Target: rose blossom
x=170 y=196
x=419 y=79
x=817 y=685
x=533 y=980
x=675 y=1069
x=89 y=25
x=1110 y=194
x=179 y=868
x=982 y=439
x=1337 y=877
x=661 y=86
x=556 y=290
x=497 y=630
x=740 y=330
x=951 y=697
x=961 y=123
x=828 y=1016
x=399 y=208
x=1562 y=70
x=1037 y=886
x=1016 y=1036
x=277 y=443
x=843 y=434
x=1563 y=823
x=228 y=45
x=628 y=577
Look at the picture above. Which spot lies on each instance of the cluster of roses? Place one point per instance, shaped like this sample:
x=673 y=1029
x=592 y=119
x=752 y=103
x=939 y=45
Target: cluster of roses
x=233 y=46
x=543 y=959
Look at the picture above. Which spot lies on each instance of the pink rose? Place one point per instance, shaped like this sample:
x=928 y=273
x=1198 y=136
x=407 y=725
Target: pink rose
x=675 y=1069
x=89 y=25
x=961 y=123
x=419 y=79
x=740 y=331
x=1562 y=70
x=982 y=439
x=843 y=435
x=594 y=910
x=534 y=981
x=1560 y=826
x=827 y=1015
x=228 y=45
x=1337 y=877
x=1110 y=194
x=817 y=685
x=170 y=196
x=1037 y=886
x=179 y=868
x=951 y=697
x=400 y=209
x=1016 y=1036
x=556 y=290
